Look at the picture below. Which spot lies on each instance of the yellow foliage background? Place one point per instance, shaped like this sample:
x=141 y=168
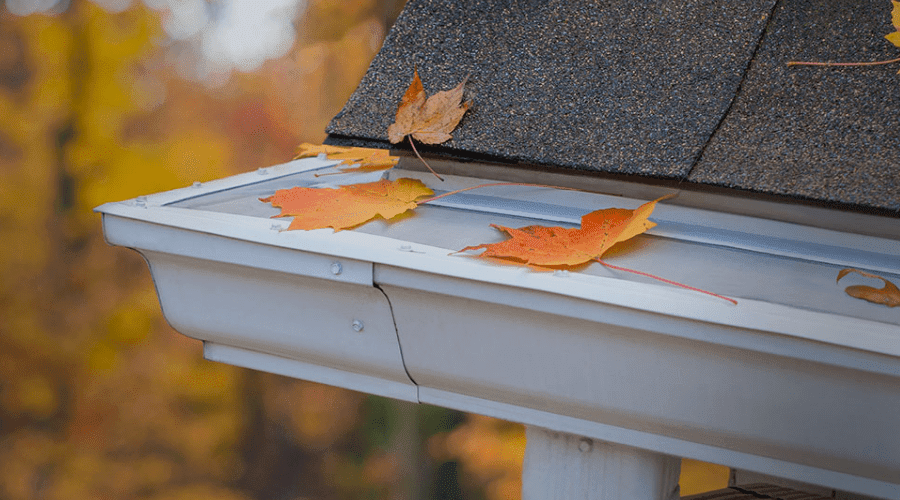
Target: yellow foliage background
x=99 y=398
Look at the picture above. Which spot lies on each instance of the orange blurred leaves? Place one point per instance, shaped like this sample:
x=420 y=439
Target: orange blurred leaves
x=100 y=399
x=491 y=452
x=347 y=206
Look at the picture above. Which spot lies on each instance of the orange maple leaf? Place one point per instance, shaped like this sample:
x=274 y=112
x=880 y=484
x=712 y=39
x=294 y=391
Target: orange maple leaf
x=368 y=159
x=560 y=246
x=347 y=206
x=431 y=120
x=888 y=295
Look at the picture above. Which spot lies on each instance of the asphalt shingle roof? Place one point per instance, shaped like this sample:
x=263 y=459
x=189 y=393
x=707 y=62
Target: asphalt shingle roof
x=829 y=134
x=695 y=90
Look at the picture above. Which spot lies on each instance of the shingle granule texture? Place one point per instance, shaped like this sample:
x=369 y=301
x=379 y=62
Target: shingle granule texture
x=830 y=134
x=619 y=85
x=695 y=90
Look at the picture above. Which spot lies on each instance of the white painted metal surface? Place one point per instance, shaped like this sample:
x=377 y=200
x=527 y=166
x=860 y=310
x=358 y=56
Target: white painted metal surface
x=562 y=466
x=798 y=380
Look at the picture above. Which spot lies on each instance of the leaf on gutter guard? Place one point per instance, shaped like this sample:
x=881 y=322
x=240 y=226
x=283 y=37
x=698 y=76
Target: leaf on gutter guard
x=351 y=205
x=347 y=206
x=365 y=159
x=888 y=295
x=561 y=246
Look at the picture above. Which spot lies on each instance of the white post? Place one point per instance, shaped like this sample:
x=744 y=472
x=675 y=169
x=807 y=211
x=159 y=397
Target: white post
x=562 y=466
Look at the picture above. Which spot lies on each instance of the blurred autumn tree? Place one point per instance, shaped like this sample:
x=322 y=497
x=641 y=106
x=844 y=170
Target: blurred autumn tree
x=99 y=398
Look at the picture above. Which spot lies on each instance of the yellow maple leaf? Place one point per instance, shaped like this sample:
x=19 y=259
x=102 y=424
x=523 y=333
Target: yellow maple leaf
x=895 y=20
x=308 y=150
x=368 y=159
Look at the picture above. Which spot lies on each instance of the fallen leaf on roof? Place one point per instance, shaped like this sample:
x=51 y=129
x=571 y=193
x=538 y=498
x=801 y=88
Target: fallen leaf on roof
x=347 y=206
x=430 y=120
x=895 y=20
x=365 y=159
x=561 y=246
x=888 y=295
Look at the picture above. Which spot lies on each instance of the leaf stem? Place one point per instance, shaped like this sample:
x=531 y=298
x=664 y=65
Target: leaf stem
x=682 y=285
x=874 y=63
x=411 y=143
x=492 y=184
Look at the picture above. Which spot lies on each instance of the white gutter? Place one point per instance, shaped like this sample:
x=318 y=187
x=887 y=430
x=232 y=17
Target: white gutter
x=798 y=380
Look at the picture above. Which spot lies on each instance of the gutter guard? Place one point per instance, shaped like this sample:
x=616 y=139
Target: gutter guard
x=796 y=381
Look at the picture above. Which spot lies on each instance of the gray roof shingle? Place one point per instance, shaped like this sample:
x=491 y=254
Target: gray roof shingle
x=694 y=90
x=830 y=134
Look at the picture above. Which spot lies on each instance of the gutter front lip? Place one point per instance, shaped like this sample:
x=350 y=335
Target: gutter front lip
x=867 y=335
x=386 y=253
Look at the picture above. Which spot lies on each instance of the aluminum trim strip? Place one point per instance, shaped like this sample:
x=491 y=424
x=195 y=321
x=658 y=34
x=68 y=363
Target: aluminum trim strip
x=306 y=371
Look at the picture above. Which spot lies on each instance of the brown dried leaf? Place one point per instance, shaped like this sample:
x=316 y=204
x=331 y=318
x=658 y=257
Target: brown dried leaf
x=889 y=295
x=408 y=111
x=431 y=120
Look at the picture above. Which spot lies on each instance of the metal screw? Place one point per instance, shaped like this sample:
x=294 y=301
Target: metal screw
x=337 y=268
x=262 y=171
x=406 y=248
x=561 y=273
x=141 y=201
x=276 y=227
x=322 y=156
x=585 y=445
x=197 y=184
x=357 y=325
